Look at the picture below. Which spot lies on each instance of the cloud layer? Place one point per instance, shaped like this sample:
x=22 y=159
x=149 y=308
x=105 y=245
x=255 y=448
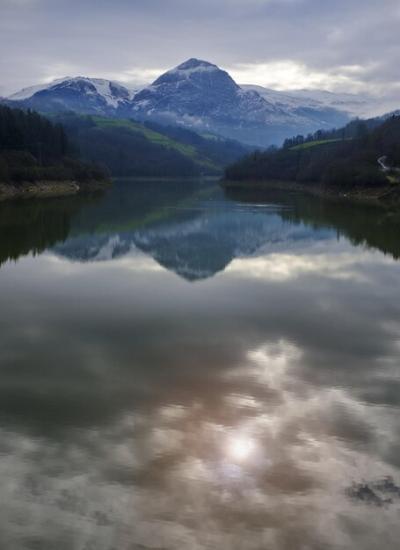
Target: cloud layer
x=281 y=43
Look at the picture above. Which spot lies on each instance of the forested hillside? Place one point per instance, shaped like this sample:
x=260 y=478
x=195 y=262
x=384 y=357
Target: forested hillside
x=34 y=149
x=129 y=148
x=344 y=158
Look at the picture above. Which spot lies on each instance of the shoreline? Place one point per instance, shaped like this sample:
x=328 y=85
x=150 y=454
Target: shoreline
x=385 y=197
x=48 y=189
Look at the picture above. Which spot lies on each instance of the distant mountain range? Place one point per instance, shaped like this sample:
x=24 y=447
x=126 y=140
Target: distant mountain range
x=200 y=96
x=317 y=100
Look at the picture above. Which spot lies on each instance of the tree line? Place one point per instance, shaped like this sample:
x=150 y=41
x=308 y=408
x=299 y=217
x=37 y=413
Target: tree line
x=343 y=158
x=34 y=149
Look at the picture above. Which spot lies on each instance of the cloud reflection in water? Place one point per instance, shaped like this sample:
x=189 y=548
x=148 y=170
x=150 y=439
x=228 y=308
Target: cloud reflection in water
x=140 y=410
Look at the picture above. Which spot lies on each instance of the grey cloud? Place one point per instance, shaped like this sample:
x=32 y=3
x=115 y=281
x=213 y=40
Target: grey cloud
x=44 y=38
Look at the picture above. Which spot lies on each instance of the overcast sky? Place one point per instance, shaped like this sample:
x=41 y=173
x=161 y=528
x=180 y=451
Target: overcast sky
x=346 y=45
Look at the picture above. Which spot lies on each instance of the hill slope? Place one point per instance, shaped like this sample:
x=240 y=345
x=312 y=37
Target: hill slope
x=129 y=148
x=343 y=159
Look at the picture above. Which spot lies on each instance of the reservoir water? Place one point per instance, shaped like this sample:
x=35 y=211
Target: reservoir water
x=182 y=368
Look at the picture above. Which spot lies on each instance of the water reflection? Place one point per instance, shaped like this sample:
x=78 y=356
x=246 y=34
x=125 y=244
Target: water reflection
x=187 y=227
x=240 y=448
x=254 y=409
x=32 y=226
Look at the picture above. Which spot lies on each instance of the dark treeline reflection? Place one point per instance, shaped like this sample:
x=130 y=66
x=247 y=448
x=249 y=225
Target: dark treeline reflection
x=366 y=225
x=35 y=225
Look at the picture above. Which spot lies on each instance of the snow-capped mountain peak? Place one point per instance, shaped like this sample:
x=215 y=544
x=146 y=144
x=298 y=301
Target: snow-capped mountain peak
x=201 y=96
x=80 y=93
x=196 y=72
x=193 y=65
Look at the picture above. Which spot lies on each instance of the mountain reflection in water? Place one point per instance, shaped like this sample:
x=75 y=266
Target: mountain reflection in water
x=183 y=369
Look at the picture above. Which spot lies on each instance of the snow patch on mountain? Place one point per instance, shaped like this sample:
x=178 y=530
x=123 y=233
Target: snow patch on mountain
x=353 y=105
x=111 y=92
x=192 y=66
x=27 y=93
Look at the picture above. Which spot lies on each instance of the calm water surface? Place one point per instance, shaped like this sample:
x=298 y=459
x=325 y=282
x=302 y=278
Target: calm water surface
x=183 y=370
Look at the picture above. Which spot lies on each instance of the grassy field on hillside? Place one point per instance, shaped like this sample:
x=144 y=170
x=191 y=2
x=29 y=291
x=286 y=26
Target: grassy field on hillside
x=155 y=137
x=311 y=144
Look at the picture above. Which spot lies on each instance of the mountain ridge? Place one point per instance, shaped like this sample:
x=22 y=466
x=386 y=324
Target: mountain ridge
x=200 y=95
x=197 y=95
